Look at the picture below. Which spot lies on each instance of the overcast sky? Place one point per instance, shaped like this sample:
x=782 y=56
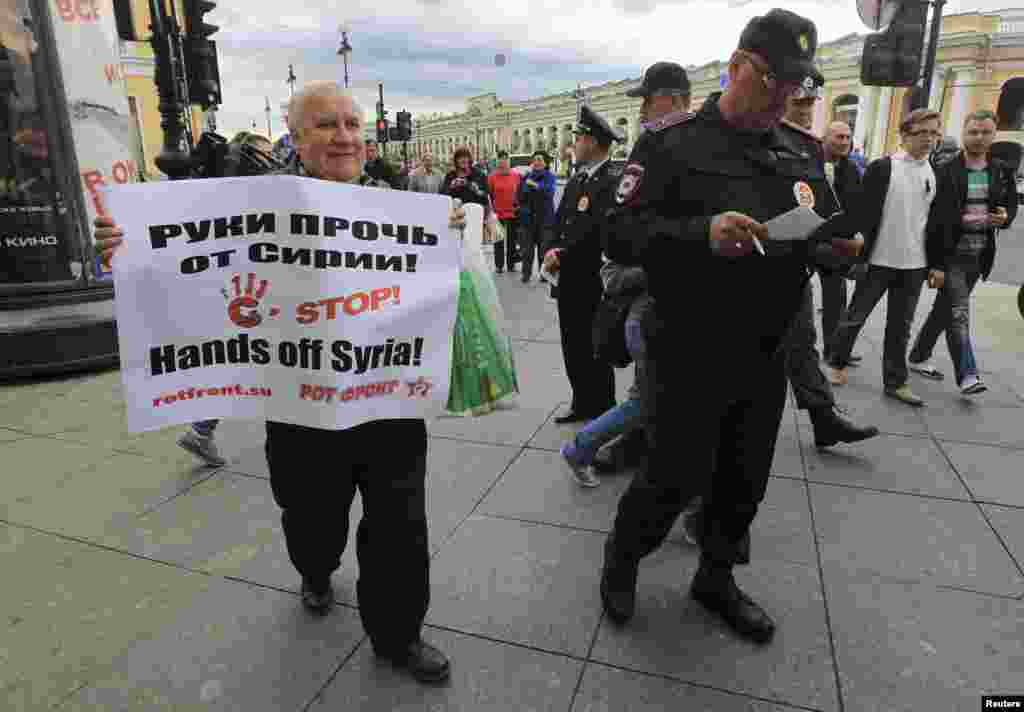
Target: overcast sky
x=433 y=54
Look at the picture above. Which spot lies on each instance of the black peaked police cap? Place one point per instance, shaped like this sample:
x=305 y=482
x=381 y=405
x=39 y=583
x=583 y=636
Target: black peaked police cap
x=593 y=124
x=787 y=42
x=663 y=78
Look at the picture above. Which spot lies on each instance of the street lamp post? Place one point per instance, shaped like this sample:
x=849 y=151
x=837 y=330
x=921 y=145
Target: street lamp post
x=290 y=81
x=345 y=50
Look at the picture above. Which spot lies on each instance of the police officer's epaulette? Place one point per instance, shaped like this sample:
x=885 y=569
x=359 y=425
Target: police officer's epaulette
x=800 y=129
x=668 y=120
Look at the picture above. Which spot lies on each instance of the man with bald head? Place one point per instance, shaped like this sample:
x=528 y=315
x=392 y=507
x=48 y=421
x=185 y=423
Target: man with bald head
x=845 y=179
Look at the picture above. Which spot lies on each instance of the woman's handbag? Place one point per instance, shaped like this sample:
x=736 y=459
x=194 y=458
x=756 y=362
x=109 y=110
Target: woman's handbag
x=609 y=330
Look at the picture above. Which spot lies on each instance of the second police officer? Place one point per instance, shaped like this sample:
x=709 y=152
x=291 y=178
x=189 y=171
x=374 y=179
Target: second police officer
x=574 y=253
x=690 y=208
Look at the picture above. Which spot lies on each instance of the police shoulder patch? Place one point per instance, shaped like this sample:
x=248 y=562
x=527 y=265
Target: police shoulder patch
x=800 y=129
x=629 y=184
x=673 y=119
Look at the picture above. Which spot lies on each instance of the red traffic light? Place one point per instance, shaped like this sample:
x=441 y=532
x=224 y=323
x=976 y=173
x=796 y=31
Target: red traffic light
x=381 y=124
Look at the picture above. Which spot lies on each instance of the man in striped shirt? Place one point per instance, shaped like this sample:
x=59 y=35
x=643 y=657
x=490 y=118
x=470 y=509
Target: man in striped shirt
x=976 y=196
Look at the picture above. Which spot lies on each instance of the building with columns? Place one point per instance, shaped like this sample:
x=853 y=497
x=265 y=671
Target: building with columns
x=979 y=65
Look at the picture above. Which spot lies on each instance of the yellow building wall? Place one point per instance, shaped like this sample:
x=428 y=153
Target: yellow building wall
x=143 y=88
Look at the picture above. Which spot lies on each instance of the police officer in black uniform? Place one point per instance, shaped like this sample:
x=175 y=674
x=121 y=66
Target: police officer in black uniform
x=574 y=252
x=690 y=209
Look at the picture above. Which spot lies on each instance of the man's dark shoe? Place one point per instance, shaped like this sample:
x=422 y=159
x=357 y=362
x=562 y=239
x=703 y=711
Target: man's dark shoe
x=831 y=426
x=317 y=596
x=423 y=661
x=716 y=590
x=618 y=585
x=571 y=417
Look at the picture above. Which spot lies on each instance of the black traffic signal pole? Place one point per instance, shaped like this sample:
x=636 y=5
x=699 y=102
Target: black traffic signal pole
x=380 y=90
x=173 y=160
x=929 y=62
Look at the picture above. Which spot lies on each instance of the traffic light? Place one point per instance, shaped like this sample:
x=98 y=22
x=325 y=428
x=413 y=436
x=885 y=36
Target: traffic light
x=404 y=125
x=893 y=58
x=382 y=130
x=203 y=73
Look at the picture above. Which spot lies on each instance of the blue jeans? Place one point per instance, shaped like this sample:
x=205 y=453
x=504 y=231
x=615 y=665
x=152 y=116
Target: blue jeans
x=623 y=418
x=951 y=312
x=205 y=428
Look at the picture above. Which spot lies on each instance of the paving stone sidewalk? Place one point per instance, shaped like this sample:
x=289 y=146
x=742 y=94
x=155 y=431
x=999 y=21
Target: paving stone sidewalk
x=135 y=580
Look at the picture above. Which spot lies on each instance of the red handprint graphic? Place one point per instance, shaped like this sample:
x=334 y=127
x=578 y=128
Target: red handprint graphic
x=243 y=306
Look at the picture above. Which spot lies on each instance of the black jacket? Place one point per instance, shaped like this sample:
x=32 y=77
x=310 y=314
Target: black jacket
x=944 y=221
x=577 y=230
x=872 y=203
x=381 y=170
x=679 y=176
x=470 y=189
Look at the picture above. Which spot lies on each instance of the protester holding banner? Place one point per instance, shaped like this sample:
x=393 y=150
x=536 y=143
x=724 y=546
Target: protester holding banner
x=384 y=459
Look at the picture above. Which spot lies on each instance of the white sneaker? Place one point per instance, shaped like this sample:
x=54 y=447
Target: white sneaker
x=972 y=385
x=583 y=474
x=202 y=447
x=926 y=369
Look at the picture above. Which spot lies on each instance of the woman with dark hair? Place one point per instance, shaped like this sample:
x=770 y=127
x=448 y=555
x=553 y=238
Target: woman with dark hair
x=464 y=183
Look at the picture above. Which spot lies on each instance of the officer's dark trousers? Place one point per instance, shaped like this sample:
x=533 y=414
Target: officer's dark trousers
x=811 y=388
x=593 y=382
x=714 y=438
x=833 y=306
x=314 y=475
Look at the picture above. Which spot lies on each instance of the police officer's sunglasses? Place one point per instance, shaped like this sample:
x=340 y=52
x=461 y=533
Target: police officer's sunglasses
x=771 y=82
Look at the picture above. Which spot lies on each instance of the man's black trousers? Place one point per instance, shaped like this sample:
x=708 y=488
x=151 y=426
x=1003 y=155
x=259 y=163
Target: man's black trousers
x=714 y=438
x=592 y=381
x=314 y=475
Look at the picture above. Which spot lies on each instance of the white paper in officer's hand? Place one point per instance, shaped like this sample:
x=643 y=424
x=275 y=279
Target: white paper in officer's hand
x=796 y=224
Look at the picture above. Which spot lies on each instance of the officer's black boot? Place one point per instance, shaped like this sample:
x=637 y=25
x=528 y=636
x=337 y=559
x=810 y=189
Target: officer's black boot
x=714 y=588
x=618 y=584
x=423 y=661
x=831 y=427
x=317 y=595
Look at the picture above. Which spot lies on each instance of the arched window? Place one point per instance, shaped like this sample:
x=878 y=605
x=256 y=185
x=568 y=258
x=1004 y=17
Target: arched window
x=1011 y=105
x=844 y=108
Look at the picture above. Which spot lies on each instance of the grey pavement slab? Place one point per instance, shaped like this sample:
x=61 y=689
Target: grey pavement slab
x=979 y=424
x=993 y=474
x=538 y=488
x=673 y=635
x=85 y=501
x=486 y=676
x=68 y=609
x=605 y=689
x=887 y=462
x=525 y=583
x=1009 y=523
x=236 y=647
x=903 y=647
x=510 y=424
x=910 y=538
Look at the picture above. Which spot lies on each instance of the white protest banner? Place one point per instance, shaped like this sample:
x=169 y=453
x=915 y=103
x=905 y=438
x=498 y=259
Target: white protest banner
x=281 y=297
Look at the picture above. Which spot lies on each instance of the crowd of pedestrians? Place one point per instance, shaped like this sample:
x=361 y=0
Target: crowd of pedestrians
x=664 y=254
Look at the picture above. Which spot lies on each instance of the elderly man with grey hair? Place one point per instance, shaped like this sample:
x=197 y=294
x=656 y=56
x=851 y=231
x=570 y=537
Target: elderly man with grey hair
x=386 y=460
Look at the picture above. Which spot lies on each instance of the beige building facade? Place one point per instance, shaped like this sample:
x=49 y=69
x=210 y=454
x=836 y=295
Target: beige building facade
x=979 y=65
